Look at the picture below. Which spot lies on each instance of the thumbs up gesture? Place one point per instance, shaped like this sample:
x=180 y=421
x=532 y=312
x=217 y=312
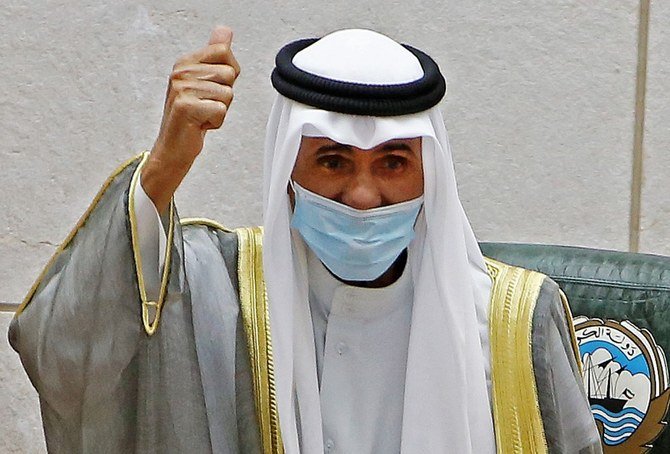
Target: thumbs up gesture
x=199 y=95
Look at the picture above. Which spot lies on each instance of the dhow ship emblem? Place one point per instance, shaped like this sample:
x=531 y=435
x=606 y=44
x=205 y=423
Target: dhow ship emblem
x=626 y=379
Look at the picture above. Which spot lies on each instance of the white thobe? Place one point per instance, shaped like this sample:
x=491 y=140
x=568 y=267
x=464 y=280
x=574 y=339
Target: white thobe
x=361 y=337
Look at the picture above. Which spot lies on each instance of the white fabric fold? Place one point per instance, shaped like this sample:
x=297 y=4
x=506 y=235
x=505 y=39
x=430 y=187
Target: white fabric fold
x=152 y=241
x=361 y=338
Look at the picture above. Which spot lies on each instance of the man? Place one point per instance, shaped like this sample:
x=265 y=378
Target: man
x=389 y=330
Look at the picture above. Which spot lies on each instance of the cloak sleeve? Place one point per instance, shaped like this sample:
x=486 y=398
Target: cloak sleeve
x=568 y=423
x=109 y=380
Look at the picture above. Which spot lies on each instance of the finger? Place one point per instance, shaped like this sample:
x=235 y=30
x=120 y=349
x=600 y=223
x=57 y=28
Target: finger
x=214 y=113
x=218 y=49
x=202 y=113
x=221 y=35
x=223 y=74
x=219 y=54
x=204 y=89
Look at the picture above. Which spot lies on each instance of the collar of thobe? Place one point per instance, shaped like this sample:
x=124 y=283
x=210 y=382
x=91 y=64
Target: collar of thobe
x=365 y=303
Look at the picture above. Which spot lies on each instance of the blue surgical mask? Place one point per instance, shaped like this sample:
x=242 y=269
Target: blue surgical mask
x=355 y=245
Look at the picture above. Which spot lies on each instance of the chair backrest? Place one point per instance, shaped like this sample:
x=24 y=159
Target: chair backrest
x=621 y=306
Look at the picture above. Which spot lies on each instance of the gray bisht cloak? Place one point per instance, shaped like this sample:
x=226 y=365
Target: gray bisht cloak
x=105 y=386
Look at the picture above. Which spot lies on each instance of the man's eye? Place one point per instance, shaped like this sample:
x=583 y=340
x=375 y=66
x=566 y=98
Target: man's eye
x=331 y=162
x=394 y=162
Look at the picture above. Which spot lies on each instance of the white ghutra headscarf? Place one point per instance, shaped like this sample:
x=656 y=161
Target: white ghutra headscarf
x=446 y=406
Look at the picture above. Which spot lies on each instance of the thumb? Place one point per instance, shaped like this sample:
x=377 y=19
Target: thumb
x=221 y=35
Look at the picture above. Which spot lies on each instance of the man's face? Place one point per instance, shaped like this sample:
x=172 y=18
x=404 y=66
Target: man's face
x=389 y=173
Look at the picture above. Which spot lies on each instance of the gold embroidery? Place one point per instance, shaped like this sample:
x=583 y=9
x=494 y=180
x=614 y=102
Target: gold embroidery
x=516 y=412
x=573 y=336
x=256 y=320
x=206 y=222
x=151 y=310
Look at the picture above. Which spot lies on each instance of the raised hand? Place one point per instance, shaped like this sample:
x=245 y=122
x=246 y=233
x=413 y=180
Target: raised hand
x=199 y=95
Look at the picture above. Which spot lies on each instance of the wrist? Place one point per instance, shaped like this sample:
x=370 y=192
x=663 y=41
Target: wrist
x=160 y=180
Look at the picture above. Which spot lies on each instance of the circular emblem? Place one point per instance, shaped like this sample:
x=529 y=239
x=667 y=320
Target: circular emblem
x=625 y=376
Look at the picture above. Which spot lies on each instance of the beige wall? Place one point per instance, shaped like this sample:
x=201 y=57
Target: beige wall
x=540 y=111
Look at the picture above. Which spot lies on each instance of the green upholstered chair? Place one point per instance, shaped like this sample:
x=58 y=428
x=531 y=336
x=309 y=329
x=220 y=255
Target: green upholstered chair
x=621 y=304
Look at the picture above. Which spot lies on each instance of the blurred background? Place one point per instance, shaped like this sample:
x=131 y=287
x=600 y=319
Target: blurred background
x=553 y=137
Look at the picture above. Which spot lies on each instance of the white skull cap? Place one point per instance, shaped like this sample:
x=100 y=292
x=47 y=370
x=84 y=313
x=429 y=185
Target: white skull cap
x=359 y=56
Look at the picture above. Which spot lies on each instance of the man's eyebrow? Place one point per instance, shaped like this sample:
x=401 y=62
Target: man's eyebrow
x=333 y=147
x=395 y=146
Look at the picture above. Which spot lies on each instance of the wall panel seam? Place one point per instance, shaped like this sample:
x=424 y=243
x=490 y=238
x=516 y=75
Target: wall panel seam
x=638 y=137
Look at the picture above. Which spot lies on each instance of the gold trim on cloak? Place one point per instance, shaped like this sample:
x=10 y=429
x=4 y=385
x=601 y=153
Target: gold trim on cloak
x=516 y=410
x=151 y=310
x=571 y=326
x=256 y=320
x=206 y=222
